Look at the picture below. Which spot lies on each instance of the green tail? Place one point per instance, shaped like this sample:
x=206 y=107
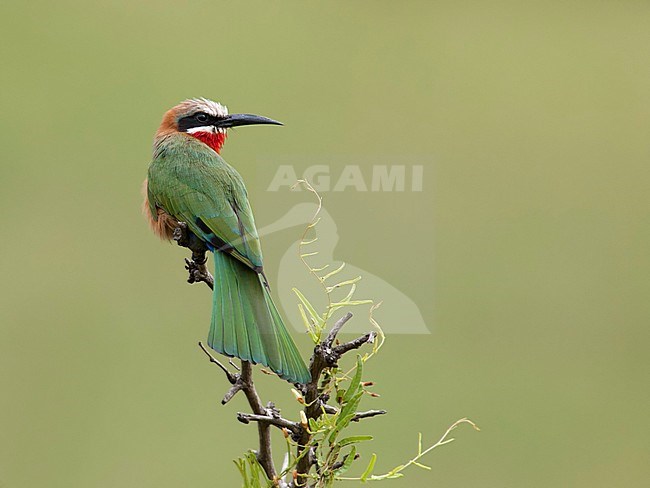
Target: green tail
x=246 y=324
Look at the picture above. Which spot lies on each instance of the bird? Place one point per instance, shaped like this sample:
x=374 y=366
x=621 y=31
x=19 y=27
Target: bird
x=188 y=181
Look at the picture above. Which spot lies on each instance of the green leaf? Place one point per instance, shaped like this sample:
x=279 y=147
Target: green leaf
x=305 y=320
x=348 y=410
x=350 y=303
x=353 y=439
x=241 y=466
x=343 y=283
x=310 y=308
x=312 y=333
x=355 y=383
x=340 y=393
x=251 y=471
x=371 y=466
x=348 y=297
x=347 y=462
x=318 y=270
x=345 y=415
x=332 y=273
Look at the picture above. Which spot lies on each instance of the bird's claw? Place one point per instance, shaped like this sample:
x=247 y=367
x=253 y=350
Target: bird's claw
x=180 y=234
x=198 y=272
x=194 y=271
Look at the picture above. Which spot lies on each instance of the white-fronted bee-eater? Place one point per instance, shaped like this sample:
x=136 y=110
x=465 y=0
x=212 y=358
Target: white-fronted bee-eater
x=188 y=181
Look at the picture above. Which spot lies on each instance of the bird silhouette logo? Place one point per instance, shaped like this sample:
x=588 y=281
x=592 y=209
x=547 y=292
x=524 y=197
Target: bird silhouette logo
x=399 y=315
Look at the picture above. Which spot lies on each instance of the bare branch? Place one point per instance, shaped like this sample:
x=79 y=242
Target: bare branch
x=338 y=464
x=264 y=455
x=234 y=389
x=232 y=378
x=330 y=409
x=355 y=344
x=279 y=422
x=243 y=381
x=365 y=415
x=336 y=329
x=358 y=416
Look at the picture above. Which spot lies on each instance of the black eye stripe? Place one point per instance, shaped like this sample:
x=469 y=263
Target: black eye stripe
x=198 y=119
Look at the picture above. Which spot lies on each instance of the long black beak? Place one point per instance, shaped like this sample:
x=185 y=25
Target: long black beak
x=235 y=120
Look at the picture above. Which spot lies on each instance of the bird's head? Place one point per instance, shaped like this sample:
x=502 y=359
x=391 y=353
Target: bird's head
x=206 y=120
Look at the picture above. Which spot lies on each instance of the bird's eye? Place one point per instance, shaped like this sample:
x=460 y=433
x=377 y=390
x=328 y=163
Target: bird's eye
x=201 y=117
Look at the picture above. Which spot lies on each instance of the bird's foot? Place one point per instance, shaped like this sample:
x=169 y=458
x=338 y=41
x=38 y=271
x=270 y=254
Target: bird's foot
x=198 y=272
x=180 y=235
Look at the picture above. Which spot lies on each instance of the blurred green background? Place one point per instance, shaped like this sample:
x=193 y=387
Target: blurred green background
x=527 y=250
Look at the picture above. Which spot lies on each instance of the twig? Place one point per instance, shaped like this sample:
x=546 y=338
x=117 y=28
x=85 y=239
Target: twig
x=338 y=464
x=365 y=415
x=243 y=381
x=355 y=344
x=336 y=329
x=264 y=455
x=279 y=422
x=395 y=472
x=234 y=389
x=357 y=416
x=232 y=378
x=330 y=409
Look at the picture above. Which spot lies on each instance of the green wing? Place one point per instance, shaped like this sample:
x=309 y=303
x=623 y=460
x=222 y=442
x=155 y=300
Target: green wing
x=191 y=182
x=195 y=185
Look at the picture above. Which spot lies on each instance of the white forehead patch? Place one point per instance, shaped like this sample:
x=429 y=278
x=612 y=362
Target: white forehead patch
x=193 y=105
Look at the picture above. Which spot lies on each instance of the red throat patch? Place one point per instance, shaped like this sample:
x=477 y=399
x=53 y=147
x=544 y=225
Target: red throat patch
x=214 y=140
